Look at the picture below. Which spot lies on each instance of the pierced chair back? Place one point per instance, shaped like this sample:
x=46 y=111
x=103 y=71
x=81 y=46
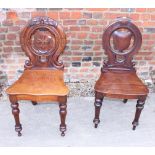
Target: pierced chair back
x=43 y=40
x=121 y=40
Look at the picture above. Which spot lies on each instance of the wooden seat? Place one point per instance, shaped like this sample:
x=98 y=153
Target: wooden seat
x=33 y=82
x=120 y=85
x=118 y=79
x=43 y=40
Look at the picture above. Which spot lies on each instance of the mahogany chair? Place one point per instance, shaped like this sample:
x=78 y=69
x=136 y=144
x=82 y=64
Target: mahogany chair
x=118 y=79
x=43 y=40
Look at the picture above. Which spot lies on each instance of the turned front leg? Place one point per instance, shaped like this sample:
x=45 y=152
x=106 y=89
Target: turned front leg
x=139 y=108
x=63 y=112
x=15 y=112
x=98 y=104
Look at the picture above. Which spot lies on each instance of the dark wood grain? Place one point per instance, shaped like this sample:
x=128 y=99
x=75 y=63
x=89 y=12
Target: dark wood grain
x=118 y=79
x=43 y=40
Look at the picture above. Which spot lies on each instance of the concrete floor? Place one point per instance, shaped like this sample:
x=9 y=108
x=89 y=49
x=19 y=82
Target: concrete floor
x=41 y=124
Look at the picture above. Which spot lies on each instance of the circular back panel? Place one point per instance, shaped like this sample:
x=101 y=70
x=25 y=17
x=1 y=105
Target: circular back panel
x=43 y=38
x=121 y=40
x=42 y=42
x=123 y=33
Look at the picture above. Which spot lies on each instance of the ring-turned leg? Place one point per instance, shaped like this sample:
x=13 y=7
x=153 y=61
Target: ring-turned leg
x=15 y=112
x=63 y=112
x=34 y=103
x=139 y=108
x=125 y=100
x=98 y=103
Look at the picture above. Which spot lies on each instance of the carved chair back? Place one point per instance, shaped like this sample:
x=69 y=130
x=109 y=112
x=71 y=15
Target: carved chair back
x=43 y=40
x=121 y=40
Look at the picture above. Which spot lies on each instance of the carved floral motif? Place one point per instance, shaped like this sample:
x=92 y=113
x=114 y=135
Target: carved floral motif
x=43 y=40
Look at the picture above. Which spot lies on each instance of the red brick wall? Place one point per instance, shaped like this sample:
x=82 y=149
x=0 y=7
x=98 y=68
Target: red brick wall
x=83 y=55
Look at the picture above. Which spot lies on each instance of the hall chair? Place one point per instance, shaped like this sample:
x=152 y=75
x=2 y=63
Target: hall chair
x=43 y=40
x=118 y=78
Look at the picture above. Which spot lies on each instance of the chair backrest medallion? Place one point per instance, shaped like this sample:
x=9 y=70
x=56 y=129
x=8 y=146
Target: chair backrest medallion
x=121 y=40
x=43 y=40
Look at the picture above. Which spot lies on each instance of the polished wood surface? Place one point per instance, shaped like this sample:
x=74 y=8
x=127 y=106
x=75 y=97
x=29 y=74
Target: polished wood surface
x=43 y=40
x=118 y=79
x=120 y=85
x=117 y=40
x=40 y=82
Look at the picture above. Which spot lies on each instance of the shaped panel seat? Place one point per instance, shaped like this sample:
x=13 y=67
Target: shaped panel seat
x=40 y=82
x=120 y=85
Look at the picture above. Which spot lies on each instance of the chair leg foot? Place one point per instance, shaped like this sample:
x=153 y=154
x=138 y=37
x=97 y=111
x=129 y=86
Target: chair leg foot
x=15 y=112
x=125 y=100
x=34 y=103
x=63 y=112
x=62 y=134
x=18 y=129
x=19 y=134
x=62 y=129
x=134 y=128
x=98 y=104
x=135 y=124
x=95 y=125
x=139 y=108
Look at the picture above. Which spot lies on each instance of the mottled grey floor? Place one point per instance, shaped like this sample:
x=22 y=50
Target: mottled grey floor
x=41 y=124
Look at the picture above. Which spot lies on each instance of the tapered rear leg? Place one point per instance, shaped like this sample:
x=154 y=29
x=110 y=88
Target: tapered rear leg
x=15 y=112
x=63 y=112
x=98 y=103
x=139 y=108
x=125 y=100
x=34 y=103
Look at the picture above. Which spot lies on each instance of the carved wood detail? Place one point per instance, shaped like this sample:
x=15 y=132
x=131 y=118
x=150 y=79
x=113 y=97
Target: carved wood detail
x=98 y=104
x=43 y=40
x=139 y=108
x=63 y=112
x=117 y=40
x=15 y=112
x=118 y=78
